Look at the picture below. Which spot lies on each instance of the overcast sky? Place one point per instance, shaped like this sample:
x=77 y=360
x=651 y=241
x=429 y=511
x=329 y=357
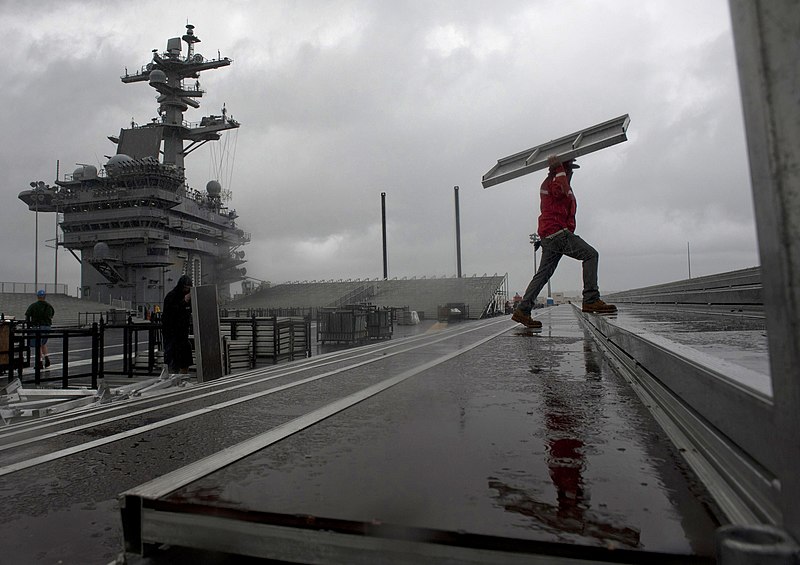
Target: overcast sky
x=340 y=101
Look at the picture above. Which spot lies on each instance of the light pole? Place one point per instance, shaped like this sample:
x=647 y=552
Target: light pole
x=43 y=197
x=55 y=248
x=534 y=240
x=36 y=188
x=36 y=252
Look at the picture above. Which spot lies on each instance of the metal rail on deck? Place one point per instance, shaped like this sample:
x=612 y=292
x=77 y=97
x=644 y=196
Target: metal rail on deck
x=707 y=412
x=220 y=386
x=373 y=356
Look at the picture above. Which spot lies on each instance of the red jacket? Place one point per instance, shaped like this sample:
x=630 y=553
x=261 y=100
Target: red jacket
x=558 y=203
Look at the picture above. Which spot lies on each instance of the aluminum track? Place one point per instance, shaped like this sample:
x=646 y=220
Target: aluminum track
x=705 y=412
x=52 y=436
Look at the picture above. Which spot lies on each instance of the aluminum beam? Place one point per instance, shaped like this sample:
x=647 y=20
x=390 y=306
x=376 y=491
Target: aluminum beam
x=570 y=146
x=767 y=52
x=707 y=413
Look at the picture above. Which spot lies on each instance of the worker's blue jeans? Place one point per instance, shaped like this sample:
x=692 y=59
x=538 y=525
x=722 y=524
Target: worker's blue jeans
x=553 y=248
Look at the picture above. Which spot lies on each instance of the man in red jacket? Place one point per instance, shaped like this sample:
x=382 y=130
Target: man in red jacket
x=557 y=233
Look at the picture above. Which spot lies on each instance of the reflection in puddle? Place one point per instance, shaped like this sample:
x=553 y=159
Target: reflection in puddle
x=569 y=516
x=568 y=421
x=589 y=356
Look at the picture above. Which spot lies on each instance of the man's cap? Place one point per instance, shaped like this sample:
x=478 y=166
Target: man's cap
x=185 y=280
x=40 y=293
x=568 y=164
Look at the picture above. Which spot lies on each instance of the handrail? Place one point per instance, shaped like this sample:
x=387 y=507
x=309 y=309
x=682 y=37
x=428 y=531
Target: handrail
x=21 y=340
x=354 y=296
x=31 y=288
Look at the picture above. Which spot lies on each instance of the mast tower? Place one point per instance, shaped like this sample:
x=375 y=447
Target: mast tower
x=136 y=223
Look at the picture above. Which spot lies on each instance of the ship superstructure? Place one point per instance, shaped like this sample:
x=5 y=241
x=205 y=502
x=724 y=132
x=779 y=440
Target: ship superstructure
x=136 y=223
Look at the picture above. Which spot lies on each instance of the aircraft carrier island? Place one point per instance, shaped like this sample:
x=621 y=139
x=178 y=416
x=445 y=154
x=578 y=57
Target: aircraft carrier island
x=135 y=224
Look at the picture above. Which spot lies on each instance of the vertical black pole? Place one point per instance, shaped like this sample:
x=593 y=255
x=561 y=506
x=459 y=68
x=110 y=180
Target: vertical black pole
x=98 y=332
x=37 y=367
x=151 y=348
x=255 y=338
x=689 y=259
x=65 y=360
x=458 y=233
x=275 y=340
x=97 y=352
x=383 y=224
x=129 y=340
x=125 y=352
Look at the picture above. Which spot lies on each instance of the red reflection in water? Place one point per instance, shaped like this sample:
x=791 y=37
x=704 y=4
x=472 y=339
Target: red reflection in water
x=566 y=461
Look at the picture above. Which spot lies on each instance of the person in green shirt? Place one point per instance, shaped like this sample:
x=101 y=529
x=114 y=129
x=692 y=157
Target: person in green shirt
x=40 y=316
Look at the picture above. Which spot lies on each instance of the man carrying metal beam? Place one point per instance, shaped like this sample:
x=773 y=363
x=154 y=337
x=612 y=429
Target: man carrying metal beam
x=557 y=233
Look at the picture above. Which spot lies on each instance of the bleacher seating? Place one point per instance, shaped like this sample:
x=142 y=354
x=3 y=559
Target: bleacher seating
x=13 y=305
x=420 y=294
x=289 y=295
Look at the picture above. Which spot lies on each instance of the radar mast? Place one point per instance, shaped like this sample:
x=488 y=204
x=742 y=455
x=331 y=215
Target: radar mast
x=168 y=73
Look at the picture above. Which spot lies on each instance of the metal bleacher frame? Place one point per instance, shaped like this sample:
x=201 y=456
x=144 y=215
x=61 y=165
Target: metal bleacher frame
x=248 y=339
x=735 y=290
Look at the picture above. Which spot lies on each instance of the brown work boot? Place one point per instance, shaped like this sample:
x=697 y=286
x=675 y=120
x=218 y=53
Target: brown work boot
x=525 y=319
x=599 y=307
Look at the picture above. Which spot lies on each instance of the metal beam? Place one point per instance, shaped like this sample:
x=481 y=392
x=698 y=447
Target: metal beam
x=709 y=415
x=570 y=146
x=767 y=52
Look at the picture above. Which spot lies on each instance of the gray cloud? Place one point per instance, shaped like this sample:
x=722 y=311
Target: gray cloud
x=340 y=101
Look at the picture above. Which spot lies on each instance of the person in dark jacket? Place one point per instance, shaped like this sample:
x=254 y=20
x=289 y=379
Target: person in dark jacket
x=175 y=325
x=557 y=233
x=39 y=315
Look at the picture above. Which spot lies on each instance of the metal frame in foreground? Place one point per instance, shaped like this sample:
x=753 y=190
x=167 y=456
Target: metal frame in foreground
x=310 y=539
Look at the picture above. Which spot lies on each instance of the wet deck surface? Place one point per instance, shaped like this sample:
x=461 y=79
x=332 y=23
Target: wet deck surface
x=529 y=436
